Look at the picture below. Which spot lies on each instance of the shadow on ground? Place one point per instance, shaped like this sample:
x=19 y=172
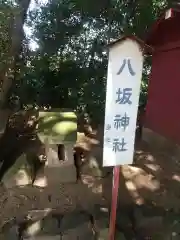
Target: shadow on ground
x=148 y=204
x=149 y=192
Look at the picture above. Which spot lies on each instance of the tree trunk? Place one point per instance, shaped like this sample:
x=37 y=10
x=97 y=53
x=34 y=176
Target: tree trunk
x=17 y=35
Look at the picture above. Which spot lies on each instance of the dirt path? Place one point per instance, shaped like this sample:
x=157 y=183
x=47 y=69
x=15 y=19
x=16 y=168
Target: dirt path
x=153 y=185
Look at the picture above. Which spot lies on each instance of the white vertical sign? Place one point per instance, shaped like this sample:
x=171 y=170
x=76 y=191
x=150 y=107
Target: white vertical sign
x=122 y=97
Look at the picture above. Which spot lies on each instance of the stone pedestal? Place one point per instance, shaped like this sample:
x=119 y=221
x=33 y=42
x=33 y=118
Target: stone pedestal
x=57 y=171
x=18 y=174
x=54 y=172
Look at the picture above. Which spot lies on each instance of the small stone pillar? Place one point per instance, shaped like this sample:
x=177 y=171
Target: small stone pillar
x=57 y=171
x=56 y=127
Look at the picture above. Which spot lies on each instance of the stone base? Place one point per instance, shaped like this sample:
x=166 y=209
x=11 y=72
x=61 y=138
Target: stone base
x=60 y=171
x=161 y=143
x=54 y=172
x=19 y=174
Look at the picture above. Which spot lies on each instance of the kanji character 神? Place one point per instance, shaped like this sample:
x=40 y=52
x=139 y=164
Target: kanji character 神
x=123 y=96
x=121 y=121
x=131 y=71
x=118 y=146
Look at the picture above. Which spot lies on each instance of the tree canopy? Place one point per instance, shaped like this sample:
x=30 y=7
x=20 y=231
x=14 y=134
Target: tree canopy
x=69 y=66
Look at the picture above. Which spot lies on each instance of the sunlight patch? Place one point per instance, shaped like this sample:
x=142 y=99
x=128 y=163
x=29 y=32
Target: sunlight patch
x=22 y=178
x=133 y=192
x=130 y=172
x=41 y=181
x=150 y=158
x=153 y=167
x=131 y=186
x=176 y=177
x=146 y=182
x=34 y=228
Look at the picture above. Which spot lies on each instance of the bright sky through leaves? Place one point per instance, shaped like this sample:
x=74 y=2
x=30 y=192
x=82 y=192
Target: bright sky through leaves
x=28 y=31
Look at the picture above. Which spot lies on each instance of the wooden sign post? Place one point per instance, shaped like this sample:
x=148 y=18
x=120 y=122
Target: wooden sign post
x=122 y=98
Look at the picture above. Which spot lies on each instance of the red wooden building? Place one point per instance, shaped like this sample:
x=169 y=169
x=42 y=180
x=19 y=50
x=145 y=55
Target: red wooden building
x=163 y=106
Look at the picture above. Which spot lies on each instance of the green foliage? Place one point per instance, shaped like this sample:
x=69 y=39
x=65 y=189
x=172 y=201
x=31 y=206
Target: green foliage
x=6 y=13
x=68 y=70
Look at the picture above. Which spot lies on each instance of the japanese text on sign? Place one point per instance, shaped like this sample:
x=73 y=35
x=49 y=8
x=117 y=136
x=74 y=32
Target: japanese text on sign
x=122 y=96
x=128 y=61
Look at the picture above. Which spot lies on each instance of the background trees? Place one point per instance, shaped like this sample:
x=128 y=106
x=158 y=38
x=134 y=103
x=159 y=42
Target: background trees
x=68 y=67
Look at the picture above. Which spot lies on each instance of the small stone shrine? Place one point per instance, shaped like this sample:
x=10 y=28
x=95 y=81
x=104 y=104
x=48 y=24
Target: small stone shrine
x=55 y=126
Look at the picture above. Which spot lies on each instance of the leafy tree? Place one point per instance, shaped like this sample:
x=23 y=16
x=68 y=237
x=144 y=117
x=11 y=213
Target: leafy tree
x=69 y=67
x=13 y=16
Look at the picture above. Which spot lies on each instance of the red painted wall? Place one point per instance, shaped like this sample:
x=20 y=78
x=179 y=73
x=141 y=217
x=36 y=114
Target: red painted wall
x=163 y=106
x=167 y=31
